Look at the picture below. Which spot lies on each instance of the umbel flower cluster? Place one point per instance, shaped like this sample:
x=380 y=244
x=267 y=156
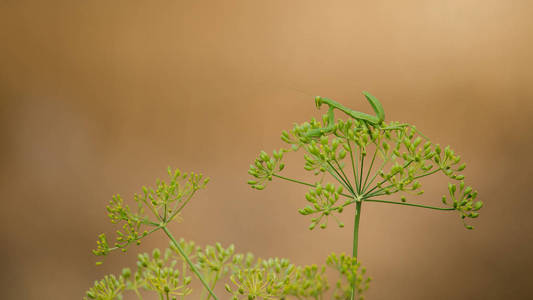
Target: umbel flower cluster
x=399 y=157
x=355 y=160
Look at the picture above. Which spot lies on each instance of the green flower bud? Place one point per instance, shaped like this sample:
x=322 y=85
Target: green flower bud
x=437 y=149
x=477 y=205
x=312 y=226
x=451 y=188
x=473 y=215
x=264 y=156
x=342 y=154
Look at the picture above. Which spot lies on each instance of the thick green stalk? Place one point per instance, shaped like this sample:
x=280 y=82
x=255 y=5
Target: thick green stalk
x=191 y=265
x=356 y=238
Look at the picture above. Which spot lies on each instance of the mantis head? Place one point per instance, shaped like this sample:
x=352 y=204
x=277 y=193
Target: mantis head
x=318 y=101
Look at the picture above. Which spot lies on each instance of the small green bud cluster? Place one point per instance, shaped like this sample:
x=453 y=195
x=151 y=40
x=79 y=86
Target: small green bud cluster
x=131 y=229
x=301 y=134
x=323 y=153
x=189 y=248
x=109 y=288
x=102 y=246
x=351 y=274
x=463 y=201
x=216 y=259
x=309 y=282
x=162 y=273
x=269 y=279
x=412 y=160
x=323 y=201
x=167 y=199
x=360 y=133
x=265 y=167
x=448 y=162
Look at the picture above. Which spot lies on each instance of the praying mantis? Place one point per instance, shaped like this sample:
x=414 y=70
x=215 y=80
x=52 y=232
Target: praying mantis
x=369 y=119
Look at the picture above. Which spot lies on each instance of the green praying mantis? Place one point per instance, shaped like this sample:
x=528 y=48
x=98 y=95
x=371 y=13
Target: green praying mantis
x=369 y=119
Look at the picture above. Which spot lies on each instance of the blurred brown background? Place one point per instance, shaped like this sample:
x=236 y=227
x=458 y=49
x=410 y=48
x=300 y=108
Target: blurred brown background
x=99 y=97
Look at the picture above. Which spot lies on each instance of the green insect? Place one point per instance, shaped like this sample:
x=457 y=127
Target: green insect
x=369 y=119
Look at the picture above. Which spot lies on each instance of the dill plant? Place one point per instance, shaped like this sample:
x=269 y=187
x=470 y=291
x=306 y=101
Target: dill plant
x=355 y=160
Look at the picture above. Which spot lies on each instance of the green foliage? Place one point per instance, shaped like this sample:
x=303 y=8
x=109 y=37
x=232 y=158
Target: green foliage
x=356 y=160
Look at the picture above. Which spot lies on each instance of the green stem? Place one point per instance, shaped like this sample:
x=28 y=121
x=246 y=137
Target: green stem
x=191 y=265
x=294 y=180
x=213 y=285
x=137 y=293
x=355 y=239
x=405 y=165
x=409 y=204
x=178 y=210
x=345 y=181
x=386 y=159
x=361 y=175
x=365 y=199
x=136 y=239
x=370 y=168
x=354 y=165
x=345 y=177
x=341 y=181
